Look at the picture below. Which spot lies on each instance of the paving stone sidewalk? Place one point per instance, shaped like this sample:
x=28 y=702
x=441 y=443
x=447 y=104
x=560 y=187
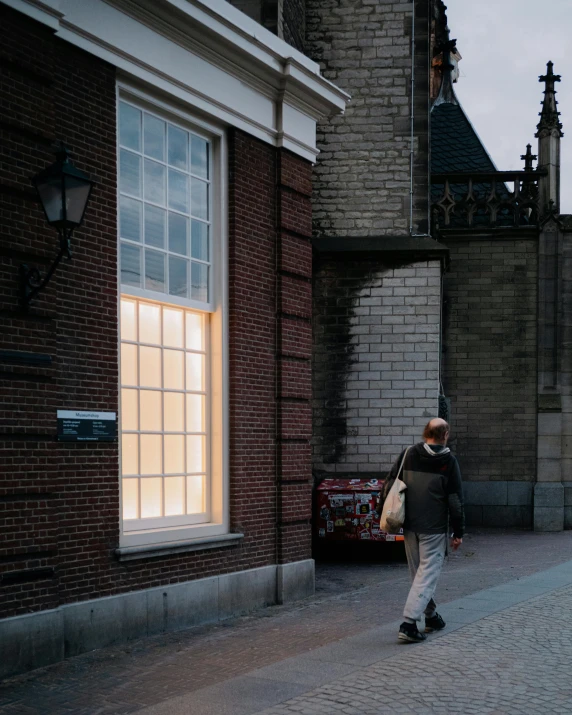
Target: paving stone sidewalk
x=506 y=651
x=248 y=664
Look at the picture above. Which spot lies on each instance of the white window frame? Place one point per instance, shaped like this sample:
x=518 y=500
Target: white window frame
x=217 y=309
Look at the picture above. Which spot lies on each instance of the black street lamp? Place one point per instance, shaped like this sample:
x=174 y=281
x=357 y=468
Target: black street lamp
x=64 y=192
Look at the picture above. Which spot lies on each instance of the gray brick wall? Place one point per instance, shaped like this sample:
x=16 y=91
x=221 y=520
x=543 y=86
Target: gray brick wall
x=376 y=361
x=362 y=180
x=489 y=364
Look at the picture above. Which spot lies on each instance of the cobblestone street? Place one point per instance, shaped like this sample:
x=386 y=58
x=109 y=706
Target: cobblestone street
x=506 y=598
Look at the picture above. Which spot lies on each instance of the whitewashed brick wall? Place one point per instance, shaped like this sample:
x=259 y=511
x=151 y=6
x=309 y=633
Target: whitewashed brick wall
x=391 y=387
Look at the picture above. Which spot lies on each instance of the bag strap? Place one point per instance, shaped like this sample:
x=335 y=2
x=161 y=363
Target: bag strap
x=402 y=463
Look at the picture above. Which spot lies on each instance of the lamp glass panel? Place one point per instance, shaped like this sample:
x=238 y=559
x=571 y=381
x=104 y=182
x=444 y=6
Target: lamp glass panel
x=50 y=192
x=77 y=193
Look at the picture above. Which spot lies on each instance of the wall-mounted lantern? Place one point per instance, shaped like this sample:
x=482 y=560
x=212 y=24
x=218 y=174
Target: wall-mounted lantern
x=64 y=192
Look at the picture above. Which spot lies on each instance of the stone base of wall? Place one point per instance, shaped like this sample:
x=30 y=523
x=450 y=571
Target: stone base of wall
x=501 y=503
x=38 y=639
x=542 y=506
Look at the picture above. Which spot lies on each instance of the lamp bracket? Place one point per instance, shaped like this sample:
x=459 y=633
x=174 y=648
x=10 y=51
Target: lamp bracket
x=31 y=280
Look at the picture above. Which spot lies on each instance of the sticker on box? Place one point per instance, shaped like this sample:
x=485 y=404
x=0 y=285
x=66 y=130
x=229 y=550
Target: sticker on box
x=330 y=526
x=322 y=533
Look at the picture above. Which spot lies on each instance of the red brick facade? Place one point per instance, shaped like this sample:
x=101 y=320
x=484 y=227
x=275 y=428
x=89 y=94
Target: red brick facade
x=59 y=502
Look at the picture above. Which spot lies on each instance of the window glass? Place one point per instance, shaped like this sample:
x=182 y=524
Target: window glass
x=163 y=412
x=164 y=166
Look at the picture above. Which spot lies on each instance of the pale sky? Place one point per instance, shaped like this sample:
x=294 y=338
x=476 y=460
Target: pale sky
x=505 y=45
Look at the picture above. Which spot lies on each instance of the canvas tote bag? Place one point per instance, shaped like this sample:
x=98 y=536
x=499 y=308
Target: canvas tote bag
x=393 y=513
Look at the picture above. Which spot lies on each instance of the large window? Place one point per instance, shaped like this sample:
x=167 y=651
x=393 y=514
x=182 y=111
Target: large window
x=171 y=325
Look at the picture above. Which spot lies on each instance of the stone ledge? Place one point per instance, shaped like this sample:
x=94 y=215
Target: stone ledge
x=150 y=551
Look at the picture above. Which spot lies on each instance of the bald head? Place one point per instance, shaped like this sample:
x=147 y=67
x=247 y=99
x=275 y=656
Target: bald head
x=436 y=431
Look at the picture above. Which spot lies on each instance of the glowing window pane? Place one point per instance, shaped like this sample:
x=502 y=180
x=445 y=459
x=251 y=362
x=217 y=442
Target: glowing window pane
x=195 y=331
x=130 y=497
x=150 y=414
x=174 y=496
x=174 y=454
x=128 y=364
x=129 y=410
x=151 y=497
x=151 y=454
x=174 y=411
x=195 y=371
x=149 y=323
x=195 y=454
x=195 y=495
x=128 y=320
x=149 y=367
x=173 y=377
x=129 y=454
x=172 y=328
x=195 y=413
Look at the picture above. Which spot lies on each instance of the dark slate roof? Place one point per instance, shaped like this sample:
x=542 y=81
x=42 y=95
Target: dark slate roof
x=455 y=145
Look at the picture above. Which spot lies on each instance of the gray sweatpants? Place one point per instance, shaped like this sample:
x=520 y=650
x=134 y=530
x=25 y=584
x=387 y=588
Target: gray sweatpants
x=425 y=556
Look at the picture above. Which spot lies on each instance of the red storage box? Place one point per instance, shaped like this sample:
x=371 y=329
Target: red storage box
x=345 y=511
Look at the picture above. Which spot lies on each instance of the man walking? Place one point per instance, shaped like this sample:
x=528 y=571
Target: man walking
x=433 y=506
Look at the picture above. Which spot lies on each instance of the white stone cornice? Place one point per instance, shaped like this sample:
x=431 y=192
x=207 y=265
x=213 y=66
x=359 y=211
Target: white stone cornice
x=207 y=55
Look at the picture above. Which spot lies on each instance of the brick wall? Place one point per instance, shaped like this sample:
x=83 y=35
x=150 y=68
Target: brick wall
x=490 y=357
x=362 y=180
x=60 y=502
x=376 y=360
x=294 y=23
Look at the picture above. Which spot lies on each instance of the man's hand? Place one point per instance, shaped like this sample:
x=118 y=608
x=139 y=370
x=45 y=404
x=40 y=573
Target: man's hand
x=455 y=543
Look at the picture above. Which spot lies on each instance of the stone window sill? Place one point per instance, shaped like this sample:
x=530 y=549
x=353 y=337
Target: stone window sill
x=153 y=551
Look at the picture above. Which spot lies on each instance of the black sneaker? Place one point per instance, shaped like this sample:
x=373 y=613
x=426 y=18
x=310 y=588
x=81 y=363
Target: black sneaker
x=410 y=633
x=435 y=623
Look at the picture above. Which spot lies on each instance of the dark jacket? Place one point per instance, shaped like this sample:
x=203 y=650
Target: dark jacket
x=434 y=495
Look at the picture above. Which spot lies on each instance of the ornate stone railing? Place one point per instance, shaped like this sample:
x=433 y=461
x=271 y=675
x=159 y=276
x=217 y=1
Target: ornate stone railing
x=484 y=199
